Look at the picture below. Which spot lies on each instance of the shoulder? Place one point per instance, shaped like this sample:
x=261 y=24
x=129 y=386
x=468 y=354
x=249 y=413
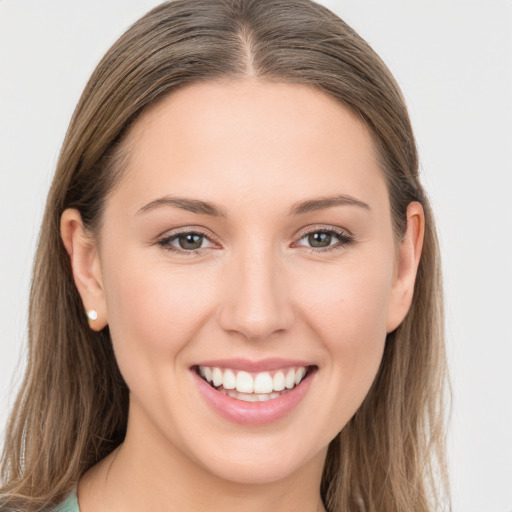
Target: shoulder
x=70 y=504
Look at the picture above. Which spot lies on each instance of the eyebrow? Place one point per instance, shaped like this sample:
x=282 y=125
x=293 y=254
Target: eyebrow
x=185 y=203
x=206 y=208
x=326 y=202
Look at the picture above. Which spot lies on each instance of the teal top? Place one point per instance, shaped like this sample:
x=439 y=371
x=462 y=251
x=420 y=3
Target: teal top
x=69 y=505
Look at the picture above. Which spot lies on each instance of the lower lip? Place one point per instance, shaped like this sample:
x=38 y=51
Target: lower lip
x=253 y=413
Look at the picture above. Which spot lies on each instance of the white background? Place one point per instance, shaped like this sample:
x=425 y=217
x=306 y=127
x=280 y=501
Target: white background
x=453 y=60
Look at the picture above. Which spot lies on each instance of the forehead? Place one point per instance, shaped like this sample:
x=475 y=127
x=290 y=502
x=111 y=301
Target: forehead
x=239 y=139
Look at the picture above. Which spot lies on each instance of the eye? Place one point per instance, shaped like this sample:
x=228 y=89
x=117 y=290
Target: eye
x=325 y=239
x=186 y=242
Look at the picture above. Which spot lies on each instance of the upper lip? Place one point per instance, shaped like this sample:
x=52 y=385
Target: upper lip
x=248 y=365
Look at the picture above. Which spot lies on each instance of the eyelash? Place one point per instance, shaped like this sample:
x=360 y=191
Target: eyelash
x=343 y=237
x=166 y=242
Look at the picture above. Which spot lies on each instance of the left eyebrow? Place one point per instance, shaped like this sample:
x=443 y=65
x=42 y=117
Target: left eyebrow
x=322 y=203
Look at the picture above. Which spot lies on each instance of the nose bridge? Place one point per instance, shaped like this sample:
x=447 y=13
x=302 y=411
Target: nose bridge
x=256 y=303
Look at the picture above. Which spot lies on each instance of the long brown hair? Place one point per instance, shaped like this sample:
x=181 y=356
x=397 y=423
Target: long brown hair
x=72 y=408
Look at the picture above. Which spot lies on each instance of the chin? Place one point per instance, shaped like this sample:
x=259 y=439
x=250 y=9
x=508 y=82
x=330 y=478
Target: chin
x=255 y=472
x=263 y=461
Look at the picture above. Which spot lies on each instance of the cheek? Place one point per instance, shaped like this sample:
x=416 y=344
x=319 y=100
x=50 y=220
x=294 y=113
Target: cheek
x=346 y=307
x=155 y=312
x=346 y=301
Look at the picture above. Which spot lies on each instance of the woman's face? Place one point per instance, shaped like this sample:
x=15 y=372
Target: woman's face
x=249 y=242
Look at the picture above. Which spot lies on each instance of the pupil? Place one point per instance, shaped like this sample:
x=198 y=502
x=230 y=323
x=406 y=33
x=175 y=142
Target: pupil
x=190 y=241
x=319 y=239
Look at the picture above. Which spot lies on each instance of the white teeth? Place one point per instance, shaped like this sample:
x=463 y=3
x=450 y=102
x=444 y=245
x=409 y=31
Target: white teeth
x=249 y=397
x=229 y=380
x=244 y=382
x=279 y=381
x=207 y=373
x=217 y=377
x=299 y=374
x=263 y=383
x=290 y=379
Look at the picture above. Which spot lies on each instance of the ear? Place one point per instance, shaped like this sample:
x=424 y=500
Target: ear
x=409 y=253
x=85 y=265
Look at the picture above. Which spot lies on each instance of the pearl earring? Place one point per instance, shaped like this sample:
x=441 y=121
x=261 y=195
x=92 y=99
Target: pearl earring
x=92 y=314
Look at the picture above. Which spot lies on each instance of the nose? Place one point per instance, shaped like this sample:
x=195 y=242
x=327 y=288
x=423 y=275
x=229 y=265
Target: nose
x=256 y=302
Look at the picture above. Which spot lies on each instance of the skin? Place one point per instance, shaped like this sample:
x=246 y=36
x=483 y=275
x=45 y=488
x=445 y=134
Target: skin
x=255 y=289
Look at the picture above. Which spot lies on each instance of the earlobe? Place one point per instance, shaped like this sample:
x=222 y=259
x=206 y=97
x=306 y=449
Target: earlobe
x=409 y=255
x=85 y=266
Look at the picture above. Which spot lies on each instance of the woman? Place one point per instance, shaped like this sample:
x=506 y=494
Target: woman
x=237 y=209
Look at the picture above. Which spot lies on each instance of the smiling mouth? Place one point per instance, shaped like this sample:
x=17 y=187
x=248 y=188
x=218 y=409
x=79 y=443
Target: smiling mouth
x=254 y=386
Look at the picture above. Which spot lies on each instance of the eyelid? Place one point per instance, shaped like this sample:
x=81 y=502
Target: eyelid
x=344 y=236
x=193 y=228
x=167 y=236
x=323 y=227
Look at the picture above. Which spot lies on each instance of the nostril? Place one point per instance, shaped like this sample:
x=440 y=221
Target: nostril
x=255 y=325
x=256 y=303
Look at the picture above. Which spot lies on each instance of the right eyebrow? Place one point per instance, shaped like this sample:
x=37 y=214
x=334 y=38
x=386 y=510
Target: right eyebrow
x=184 y=203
